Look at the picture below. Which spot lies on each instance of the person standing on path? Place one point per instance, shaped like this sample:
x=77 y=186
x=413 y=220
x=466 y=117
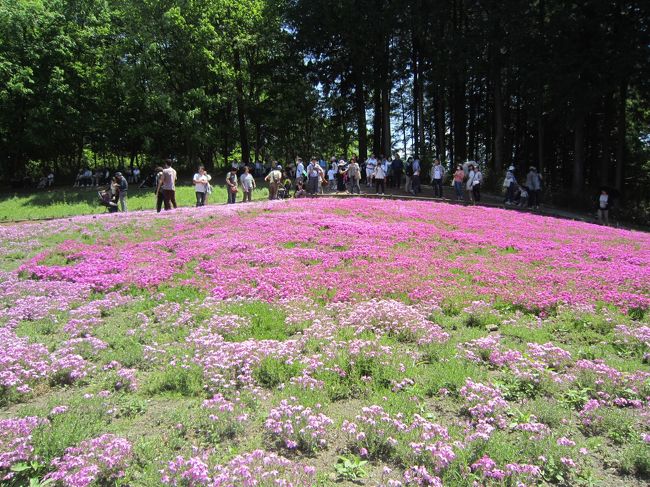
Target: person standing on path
x=354 y=175
x=123 y=188
x=300 y=172
x=470 y=181
x=159 y=194
x=168 y=185
x=408 y=173
x=476 y=184
x=417 y=168
x=247 y=185
x=398 y=168
x=231 y=184
x=315 y=174
x=603 y=207
x=379 y=176
x=274 y=178
x=201 y=180
x=437 y=174
x=370 y=169
x=510 y=185
x=459 y=176
x=534 y=184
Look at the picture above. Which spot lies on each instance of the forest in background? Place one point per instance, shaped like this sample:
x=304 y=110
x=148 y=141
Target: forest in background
x=564 y=86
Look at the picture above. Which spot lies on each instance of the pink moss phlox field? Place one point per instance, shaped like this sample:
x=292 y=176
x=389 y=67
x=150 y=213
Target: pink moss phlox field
x=258 y=467
x=420 y=338
x=298 y=427
x=356 y=247
x=99 y=460
x=15 y=442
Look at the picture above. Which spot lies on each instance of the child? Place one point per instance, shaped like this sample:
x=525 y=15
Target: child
x=523 y=196
x=331 y=178
x=300 y=190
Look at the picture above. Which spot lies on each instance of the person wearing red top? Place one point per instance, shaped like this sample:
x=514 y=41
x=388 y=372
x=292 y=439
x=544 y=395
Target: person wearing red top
x=459 y=176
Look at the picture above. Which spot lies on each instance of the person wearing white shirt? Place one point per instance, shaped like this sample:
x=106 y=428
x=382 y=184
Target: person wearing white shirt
x=603 y=207
x=248 y=185
x=300 y=172
x=437 y=174
x=331 y=177
x=470 y=180
x=370 y=169
x=474 y=184
x=315 y=174
x=201 y=181
x=379 y=176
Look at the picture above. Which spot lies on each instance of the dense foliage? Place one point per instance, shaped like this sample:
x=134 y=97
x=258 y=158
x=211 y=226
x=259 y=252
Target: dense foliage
x=561 y=85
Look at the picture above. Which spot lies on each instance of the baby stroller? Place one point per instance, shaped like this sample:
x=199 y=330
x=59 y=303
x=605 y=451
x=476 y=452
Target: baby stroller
x=149 y=181
x=107 y=200
x=284 y=191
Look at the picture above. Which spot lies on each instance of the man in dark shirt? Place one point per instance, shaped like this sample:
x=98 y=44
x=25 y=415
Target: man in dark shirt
x=124 y=188
x=398 y=167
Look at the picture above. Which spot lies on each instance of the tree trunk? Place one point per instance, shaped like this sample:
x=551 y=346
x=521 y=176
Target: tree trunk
x=620 y=143
x=577 y=183
x=541 y=158
x=416 y=98
x=386 y=145
x=473 y=108
x=498 y=125
x=606 y=151
x=258 y=140
x=403 y=110
x=241 y=114
x=439 y=115
x=226 y=135
x=376 y=123
x=360 y=108
x=460 y=118
x=420 y=108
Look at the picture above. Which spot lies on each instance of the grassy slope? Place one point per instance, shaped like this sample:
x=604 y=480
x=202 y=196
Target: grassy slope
x=65 y=202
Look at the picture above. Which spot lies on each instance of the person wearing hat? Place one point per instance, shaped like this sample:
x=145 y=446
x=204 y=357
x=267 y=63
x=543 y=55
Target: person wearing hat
x=340 y=176
x=534 y=184
x=123 y=188
x=274 y=178
x=510 y=184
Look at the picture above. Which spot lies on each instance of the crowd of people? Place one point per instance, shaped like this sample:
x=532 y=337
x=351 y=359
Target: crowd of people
x=86 y=178
x=299 y=179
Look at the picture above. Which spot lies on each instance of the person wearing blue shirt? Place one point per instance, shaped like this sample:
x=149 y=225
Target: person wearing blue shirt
x=416 y=177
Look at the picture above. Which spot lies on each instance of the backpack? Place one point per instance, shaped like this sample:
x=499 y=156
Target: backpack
x=409 y=169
